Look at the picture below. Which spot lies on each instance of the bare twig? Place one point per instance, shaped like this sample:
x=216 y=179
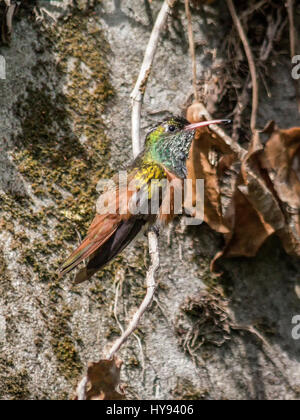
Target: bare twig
x=290 y=8
x=272 y=33
x=7 y=23
x=116 y=308
x=192 y=47
x=137 y=100
x=242 y=103
x=251 y=330
x=203 y=112
x=151 y=287
x=117 y=292
x=81 y=389
x=139 y=341
x=250 y=58
x=138 y=92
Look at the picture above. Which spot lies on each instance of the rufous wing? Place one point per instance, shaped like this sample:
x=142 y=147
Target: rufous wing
x=108 y=235
x=102 y=228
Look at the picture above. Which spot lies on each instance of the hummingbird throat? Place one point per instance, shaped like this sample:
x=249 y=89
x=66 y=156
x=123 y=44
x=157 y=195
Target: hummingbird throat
x=171 y=151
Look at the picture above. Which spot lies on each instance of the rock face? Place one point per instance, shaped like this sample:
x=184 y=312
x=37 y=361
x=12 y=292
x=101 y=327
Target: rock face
x=65 y=124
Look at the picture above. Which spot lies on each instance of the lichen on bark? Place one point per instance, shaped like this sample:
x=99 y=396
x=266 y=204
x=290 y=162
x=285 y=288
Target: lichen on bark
x=65 y=123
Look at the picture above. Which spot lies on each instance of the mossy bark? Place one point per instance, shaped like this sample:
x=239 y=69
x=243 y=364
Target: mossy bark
x=65 y=124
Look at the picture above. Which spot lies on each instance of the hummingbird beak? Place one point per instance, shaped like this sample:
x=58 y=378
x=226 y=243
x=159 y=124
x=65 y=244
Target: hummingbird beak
x=205 y=124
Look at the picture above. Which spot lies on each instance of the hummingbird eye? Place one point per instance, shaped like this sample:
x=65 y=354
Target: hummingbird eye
x=171 y=128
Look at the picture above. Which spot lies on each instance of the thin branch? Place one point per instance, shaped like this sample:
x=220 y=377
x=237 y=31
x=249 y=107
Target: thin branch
x=116 y=308
x=192 y=47
x=117 y=292
x=81 y=389
x=151 y=287
x=7 y=24
x=251 y=330
x=272 y=33
x=250 y=58
x=203 y=112
x=139 y=341
x=137 y=146
x=138 y=92
x=290 y=8
x=253 y=9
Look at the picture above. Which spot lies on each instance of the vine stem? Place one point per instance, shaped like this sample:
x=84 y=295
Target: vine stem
x=192 y=47
x=290 y=10
x=137 y=97
x=251 y=62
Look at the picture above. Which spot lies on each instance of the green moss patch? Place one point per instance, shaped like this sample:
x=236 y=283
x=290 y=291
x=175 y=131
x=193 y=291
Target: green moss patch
x=13 y=383
x=61 y=152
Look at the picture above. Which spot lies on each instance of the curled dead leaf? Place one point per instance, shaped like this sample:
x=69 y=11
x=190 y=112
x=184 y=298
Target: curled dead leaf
x=281 y=159
x=102 y=382
x=200 y=166
x=266 y=199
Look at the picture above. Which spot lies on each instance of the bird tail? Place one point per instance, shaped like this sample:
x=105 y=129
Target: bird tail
x=100 y=251
x=100 y=231
x=123 y=235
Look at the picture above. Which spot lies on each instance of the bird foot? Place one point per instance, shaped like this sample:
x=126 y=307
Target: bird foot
x=155 y=229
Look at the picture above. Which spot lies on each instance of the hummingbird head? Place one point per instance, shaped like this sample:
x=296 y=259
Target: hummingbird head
x=169 y=143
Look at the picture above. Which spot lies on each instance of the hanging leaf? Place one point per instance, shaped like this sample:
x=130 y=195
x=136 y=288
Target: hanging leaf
x=199 y=166
x=281 y=159
x=102 y=382
x=266 y=199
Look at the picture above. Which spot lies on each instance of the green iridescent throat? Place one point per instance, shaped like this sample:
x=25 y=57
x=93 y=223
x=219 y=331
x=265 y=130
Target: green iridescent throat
x=169 y=150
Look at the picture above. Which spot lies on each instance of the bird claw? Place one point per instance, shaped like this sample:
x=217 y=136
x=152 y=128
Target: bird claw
x=155 y=229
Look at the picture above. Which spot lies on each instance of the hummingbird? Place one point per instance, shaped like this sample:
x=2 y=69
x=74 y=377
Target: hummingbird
x=118 y=218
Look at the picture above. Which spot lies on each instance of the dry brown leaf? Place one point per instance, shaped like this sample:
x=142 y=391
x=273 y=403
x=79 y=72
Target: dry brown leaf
x=267 y=196
x=281 y=159
x=200 y=167
x=253 y=214
x=225 y=163
x=102 y=381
